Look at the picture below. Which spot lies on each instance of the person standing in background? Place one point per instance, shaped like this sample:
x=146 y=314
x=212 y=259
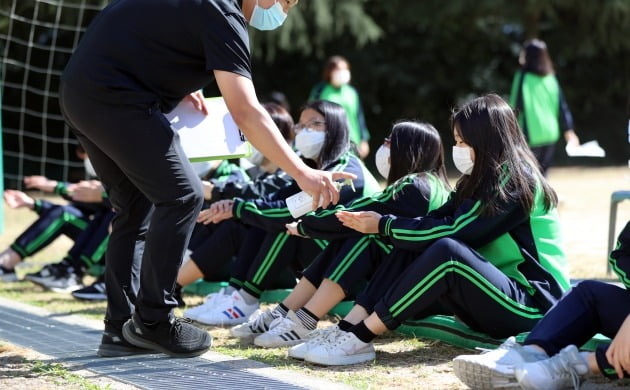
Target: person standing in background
x=541 y=107
x=335 y=87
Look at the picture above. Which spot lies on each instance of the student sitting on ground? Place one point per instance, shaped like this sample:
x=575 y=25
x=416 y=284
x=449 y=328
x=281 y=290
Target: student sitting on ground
x=412 y=160
x=322 y=140
x=549 y=358
x=490 y=255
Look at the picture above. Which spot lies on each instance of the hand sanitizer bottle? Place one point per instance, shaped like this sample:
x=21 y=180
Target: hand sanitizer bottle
x=302 y=203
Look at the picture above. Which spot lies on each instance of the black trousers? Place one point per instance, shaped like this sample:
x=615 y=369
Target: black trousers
x=154 y=190
x=54 y=220
x=590 y=307
x=451 y=278
x=348 y=262
x=278 y=257
x=544 y=155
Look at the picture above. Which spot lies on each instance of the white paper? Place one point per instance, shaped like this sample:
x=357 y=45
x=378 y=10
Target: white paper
x=208 y=137
x=587 y=149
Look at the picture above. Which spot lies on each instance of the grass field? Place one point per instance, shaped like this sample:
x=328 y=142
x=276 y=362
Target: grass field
x=401 y=362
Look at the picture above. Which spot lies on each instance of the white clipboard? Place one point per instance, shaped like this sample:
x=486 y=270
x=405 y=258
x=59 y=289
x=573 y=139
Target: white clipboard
x=208 y=137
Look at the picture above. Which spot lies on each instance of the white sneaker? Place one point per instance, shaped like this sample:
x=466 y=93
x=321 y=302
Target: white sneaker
x=232 y=310
x=283 y=332
x=344 y=348
x=560 y=371
x=315 y=338
x=257 y=324
x=495 y=368
x=194 y=312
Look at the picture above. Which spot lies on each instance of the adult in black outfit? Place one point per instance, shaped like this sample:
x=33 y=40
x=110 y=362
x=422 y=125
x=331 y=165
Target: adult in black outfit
x=138 y=60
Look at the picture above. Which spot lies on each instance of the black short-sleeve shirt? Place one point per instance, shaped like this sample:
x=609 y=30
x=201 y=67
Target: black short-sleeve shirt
x=157 y=51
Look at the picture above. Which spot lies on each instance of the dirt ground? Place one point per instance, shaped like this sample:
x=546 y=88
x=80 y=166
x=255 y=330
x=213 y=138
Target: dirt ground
x=584 y=211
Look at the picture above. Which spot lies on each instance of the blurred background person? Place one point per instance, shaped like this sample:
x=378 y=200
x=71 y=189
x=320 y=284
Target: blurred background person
x=335 y=87
x=541 y=107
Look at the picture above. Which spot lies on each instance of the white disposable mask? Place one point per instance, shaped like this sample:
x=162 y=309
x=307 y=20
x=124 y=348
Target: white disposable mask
x=382 y=161
x=266 y=19
x=340 y=77
x=89 y=169
x=309 y=142
x=256 y=157
x=463 y=161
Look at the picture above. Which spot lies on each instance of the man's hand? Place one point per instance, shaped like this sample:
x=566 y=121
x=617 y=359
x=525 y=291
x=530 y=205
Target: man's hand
x=41 y=183
x=219 y=211
x=321 y=185
x=363 y=221
x=87 y=191
x=18 y=199
x=618 y=354
x=198 y=101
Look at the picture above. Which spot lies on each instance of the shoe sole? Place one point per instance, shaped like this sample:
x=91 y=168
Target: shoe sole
x=90 y=297
x=296 y=355
x=43 y=283
x=8 y=278
x=273 y=344
x=138 y=341
x=107 y=350
x=341 y=360
x=478 y=376
x=247 y=338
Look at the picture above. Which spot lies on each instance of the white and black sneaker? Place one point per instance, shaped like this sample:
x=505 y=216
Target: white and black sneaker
x=283 y=332
x=7 y=275
x=257 y=324
x=94 y=292
x=58 y=277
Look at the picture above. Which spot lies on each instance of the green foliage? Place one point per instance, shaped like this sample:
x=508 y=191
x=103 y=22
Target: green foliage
x=315 y=23
x=431 y=55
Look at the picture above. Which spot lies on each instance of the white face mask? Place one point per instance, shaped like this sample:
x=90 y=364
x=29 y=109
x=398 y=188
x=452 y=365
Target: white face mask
x=309 y=142
x=256 y=157
x=340 y=77
x=382 y=161
x=267 y=19
x=463 y=161
x=89 y=169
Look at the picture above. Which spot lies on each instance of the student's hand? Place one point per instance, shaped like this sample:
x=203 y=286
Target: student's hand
x=362 y=221
x=293 y=230
x=17 y=199
x=618 y=354
x=41 y=183
x=87 y=191
x=198 y=101
x=219 y=211
x=207 y=189
x=321 y=186
x=571 y=138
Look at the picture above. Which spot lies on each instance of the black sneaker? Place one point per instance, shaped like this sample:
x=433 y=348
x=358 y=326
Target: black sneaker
x=58 y=277
x=7 y=275
x=94 y=292
x=113 y=344
x=176 y=338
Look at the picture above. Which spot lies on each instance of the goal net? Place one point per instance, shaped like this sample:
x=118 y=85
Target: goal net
x=37 y=38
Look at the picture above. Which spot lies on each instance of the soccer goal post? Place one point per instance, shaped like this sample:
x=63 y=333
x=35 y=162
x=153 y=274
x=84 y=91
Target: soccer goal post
x=37 y=38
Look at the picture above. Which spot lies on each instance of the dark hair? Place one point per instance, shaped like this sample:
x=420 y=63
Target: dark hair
x=336 y=122
x=279 y=98
x=537 y=58
x=415 y=147
x=331 y=64
x=282 y=119
x=505 y=169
